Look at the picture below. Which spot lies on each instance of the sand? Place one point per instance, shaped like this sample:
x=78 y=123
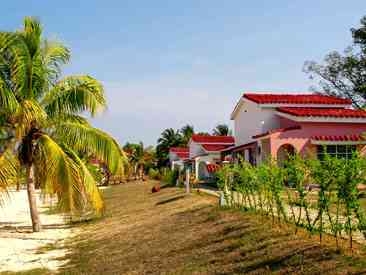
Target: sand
x=22 y=250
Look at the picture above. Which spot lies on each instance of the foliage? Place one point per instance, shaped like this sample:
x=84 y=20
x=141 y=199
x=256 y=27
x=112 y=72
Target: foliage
x=170 y=176
x=344 y=75
x=154 y=174
x=140 y=159
x=169 y=138
x=186 y=131
x=334 y=207
x=41 y=116
x=222 y=130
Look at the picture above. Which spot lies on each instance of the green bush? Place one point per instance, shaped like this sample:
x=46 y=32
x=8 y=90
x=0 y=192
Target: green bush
x=154 y=174
x=170 y=177
x=265 y=189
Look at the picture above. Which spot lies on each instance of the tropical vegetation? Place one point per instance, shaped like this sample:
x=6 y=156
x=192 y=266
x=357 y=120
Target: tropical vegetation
x=180 y=137
x=222 y=130
x=285 y=193
x=140 y=160
x=344 y=74
x=43 y=124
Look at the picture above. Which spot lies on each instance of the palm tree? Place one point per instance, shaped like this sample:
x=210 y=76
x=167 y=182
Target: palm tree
x=135 y=153
x=222 y=130
x=42 y=115
x=169 y=138
x=187 y=132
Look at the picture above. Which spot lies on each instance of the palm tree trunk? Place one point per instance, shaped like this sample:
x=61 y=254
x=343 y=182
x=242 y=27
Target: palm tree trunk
x=36 y=222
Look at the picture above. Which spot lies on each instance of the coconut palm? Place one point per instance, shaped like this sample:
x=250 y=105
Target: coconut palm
x=221 y=130
x=186 y=131
x=41 y=116
x=169 y=138
x=135 y=153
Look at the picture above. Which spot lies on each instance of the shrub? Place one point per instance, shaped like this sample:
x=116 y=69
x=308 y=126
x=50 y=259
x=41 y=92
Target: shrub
x=264 y=189
x=154 y=174
x=170 y=177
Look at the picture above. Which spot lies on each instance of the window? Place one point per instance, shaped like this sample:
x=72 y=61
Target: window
x=339 y=151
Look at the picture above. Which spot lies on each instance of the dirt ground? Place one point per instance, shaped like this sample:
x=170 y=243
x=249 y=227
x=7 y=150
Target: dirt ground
x=170 y=232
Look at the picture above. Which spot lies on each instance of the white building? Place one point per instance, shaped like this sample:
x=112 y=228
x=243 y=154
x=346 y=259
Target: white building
x=205 y=153
x=177 y=156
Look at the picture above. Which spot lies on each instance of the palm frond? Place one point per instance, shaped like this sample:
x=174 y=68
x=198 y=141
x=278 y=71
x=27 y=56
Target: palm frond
x=54 y=55
x=29 y=114
x=8 y=174
x=13 y=47
x=94 y=142
x=31 y=33
x=59 y=174
x=89 y=183
x=8 y=101
x=73 y=95
x=72 y=119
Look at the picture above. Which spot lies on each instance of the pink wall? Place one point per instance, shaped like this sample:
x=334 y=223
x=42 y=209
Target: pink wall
x=300 y=138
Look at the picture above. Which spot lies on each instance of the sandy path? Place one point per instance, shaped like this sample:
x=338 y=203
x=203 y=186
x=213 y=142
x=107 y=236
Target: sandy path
x=22 y=250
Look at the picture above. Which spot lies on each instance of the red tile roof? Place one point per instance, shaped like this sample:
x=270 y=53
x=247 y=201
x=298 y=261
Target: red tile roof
x=296 y=99
x=276 y=131
x=179 y=149
x=215 y=147
x=213 y=139
x=211 y=168
x=339 y=138
x=323 y=112
x=181 y=152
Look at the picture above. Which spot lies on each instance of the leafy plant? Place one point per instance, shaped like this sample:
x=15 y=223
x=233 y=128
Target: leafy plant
x=42 y=117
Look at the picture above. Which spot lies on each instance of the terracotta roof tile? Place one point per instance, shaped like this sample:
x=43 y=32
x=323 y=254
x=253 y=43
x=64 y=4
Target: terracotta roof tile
x=211 y=168
x=323 y=112
x=215 y=147
x=213 y=139
x=181 y=152
x=296 y=99
x=339 y=138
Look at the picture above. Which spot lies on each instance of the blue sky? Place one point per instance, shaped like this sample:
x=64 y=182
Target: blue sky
x=168 y=63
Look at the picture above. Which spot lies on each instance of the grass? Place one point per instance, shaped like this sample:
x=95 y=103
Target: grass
x=172 y=233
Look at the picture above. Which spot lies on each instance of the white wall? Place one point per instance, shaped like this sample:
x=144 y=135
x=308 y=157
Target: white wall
x=195 y=149
x=250 y=120
x=208 y=159
x=173 y=156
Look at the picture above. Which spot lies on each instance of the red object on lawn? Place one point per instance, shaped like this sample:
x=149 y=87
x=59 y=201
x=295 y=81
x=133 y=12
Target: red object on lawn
x=156 y=188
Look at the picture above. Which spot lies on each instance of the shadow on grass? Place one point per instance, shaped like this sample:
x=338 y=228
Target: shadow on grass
x=192 y=236
x=170 y=200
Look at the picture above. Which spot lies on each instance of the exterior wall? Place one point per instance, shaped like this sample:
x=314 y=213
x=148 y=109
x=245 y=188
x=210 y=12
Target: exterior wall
x=300 y=138
x=265 y=150
x=285 y=123
x=251 y=120
x=207 y=159
x=195 y=149
x=177 y=164
x=173 y=157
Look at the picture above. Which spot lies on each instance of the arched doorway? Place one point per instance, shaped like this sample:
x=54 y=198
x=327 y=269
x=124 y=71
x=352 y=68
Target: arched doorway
x=202 y=170
x=284 y=152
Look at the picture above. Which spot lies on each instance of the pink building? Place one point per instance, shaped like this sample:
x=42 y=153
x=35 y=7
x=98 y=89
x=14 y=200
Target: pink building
x=273 y=125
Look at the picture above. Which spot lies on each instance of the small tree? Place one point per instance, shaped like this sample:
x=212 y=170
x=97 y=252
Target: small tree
x=298 y=175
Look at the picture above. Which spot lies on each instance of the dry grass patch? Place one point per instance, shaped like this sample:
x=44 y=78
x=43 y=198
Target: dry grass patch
x=172 y=233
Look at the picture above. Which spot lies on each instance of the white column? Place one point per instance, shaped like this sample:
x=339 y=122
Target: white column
x=188 y=174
